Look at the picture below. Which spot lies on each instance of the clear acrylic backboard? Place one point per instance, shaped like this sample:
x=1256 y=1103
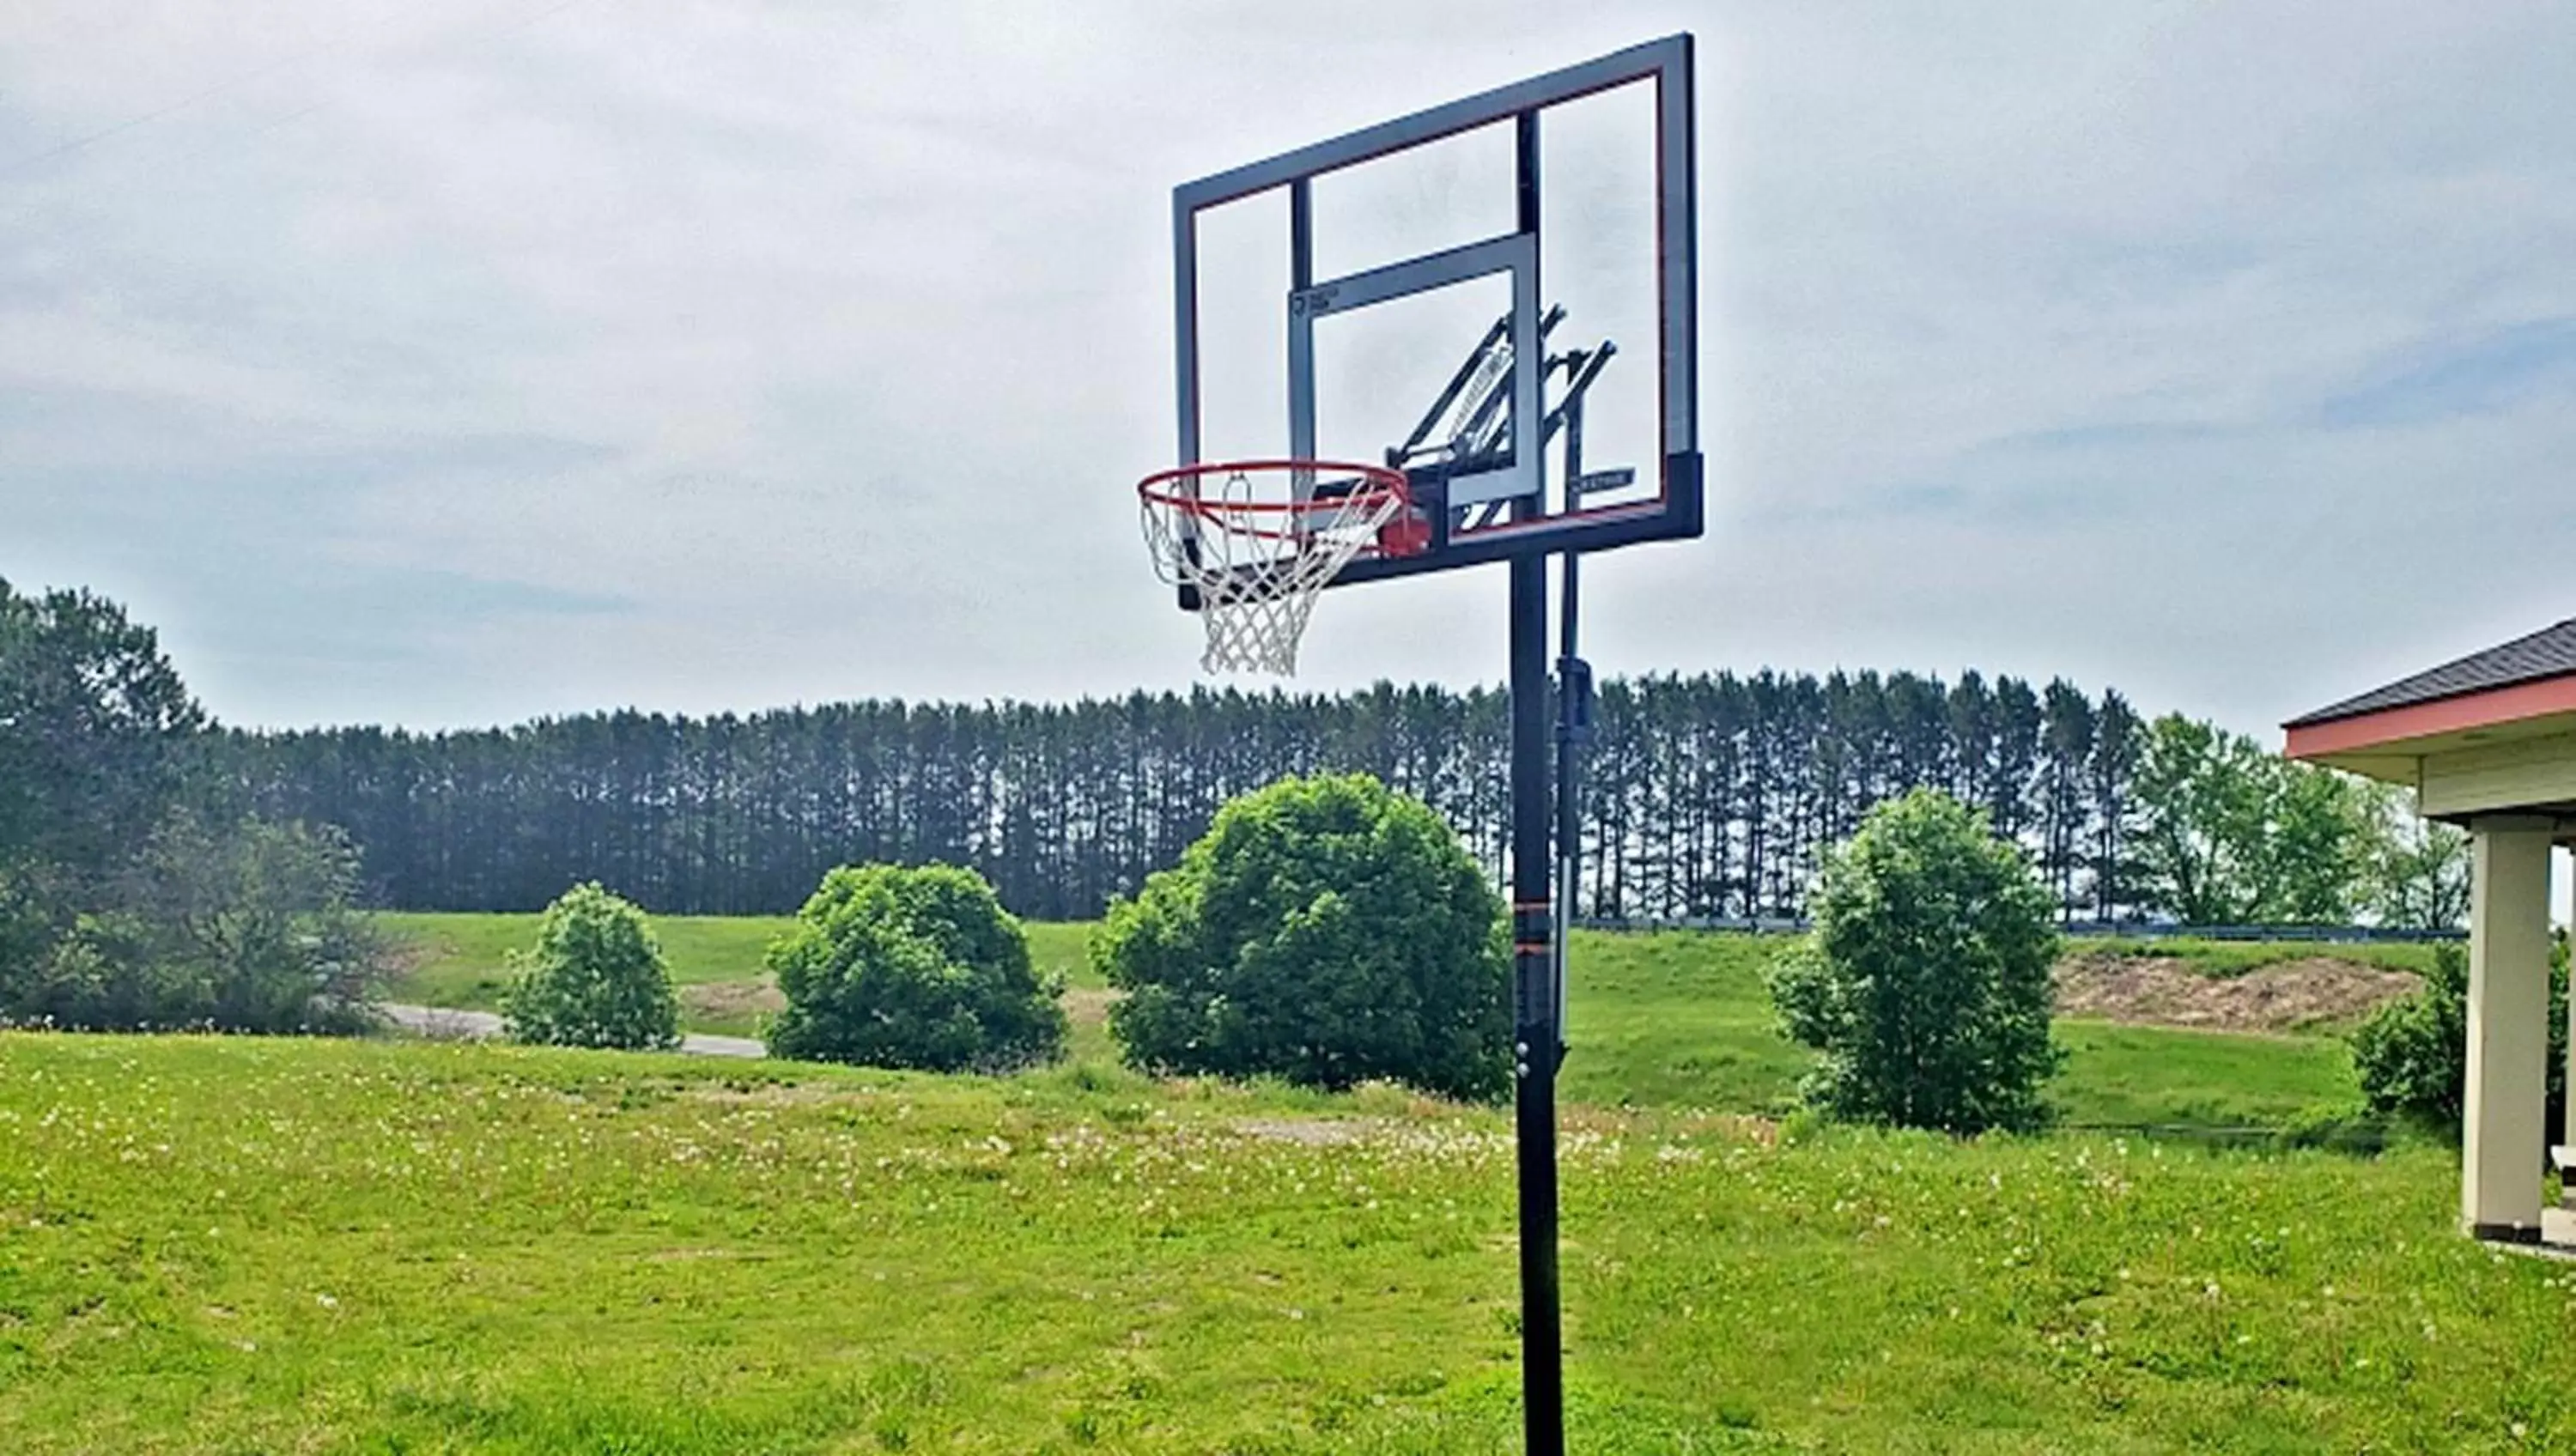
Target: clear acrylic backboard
x=1495 y=297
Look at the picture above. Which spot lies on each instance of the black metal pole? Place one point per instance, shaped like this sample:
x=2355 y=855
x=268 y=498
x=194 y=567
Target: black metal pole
x=1533 y=947
x=1534 y=1035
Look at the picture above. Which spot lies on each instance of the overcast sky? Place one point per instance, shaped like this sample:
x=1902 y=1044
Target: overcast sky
x=457 y=361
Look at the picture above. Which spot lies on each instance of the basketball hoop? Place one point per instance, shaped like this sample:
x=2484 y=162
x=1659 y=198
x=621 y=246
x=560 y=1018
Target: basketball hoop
x=1258 y=540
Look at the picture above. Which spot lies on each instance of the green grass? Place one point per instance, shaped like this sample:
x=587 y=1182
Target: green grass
x=1060 y=948
x=1675 y=1019
x=1063 y=948
x=220 y=1245
x=2236 y=957
x=2131 y=1076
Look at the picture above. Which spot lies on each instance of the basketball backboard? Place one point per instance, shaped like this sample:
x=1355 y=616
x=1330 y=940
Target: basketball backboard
x=1495 y=297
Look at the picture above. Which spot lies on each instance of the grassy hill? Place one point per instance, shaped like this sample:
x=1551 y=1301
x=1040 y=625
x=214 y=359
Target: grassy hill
x=460 y=959
x=1680 y=1019
x=1671 y=1019
x=233 y=1245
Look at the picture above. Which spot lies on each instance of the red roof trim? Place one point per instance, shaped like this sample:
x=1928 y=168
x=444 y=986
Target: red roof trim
x=2443 y=715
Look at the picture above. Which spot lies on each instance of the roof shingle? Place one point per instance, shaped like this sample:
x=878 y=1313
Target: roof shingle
x=2549 y=652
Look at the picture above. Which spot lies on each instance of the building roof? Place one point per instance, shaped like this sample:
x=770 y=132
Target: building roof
x=2547 y=653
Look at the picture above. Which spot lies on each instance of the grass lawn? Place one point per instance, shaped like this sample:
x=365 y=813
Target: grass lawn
x=1063 y=948
x=234 y=1245
x=2132 y=1076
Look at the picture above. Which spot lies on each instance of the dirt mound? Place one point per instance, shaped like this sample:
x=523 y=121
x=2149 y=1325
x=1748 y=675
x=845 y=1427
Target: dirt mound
x=2168 y=991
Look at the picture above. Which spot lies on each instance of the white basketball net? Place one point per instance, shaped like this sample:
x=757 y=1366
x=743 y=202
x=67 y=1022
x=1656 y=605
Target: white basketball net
x=1259 y=543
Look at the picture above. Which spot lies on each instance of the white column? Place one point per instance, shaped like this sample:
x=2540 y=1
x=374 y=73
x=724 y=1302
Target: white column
x=2565 y=1156
x=2500 y=1140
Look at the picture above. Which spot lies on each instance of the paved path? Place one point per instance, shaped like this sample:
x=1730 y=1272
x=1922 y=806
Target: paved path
x=441 y=1021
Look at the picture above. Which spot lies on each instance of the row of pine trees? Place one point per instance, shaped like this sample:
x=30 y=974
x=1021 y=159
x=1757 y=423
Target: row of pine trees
x=1705 y=796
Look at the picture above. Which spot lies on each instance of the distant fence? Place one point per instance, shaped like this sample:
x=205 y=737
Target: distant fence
x=2104 y=929
x=2354 y=1132
x=2401 y=934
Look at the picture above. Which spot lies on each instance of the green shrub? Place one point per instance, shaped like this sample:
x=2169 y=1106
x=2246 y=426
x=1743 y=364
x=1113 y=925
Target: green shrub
x=1325 y=930
x=1925 y=982
x=596 y=978
x=2412 y=1055
x=912 y=967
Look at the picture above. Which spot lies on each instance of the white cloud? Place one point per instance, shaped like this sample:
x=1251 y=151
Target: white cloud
x=752 y=354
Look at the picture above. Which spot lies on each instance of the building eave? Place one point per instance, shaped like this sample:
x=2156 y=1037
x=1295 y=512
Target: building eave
x=2382 y=740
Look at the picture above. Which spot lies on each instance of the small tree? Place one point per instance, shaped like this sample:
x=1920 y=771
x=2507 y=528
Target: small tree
x=1925 y=982
x=2419 y=868
x=2412 y=1055
x=95 y=731
x=1326 y=930
x=2229 y=833
x=596 y=978
x=912 y=967
x=249 y=926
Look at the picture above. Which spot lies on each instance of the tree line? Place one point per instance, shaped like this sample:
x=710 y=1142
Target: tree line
x=159 y=870
x=1706 y=796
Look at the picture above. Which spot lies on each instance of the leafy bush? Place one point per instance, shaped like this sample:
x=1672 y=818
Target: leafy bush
x=1325 y=930
x=912 y=967
x=1925 y=982
x=249 y=928
x=2412 y=1055
x=596 y=978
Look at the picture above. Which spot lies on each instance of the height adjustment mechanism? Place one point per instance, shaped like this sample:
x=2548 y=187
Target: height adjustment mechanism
x=1574 y=680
